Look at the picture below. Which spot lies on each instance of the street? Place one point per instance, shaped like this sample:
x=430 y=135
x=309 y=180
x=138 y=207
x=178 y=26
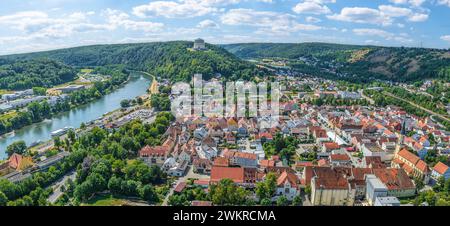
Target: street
x=57 y=186
x=188 y=175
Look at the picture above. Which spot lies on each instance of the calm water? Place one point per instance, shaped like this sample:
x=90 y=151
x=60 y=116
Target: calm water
x=41 y=131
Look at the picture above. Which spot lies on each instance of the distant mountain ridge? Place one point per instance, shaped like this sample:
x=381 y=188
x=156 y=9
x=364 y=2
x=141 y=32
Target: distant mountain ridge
x=361 y=62
x=173 y=60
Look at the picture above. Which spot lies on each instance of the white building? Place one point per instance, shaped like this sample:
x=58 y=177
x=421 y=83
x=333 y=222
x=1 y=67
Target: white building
x=199 y=44
x=374 y=188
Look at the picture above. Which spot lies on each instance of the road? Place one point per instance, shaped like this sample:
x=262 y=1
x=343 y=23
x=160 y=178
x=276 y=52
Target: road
x=188 y=175
x=418 y=106
x=361 y=92
x=57 y=186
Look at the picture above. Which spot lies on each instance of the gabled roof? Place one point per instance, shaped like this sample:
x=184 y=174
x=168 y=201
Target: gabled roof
x=339 y=157
x=234 y=173
x=291 y=178
x=441 y=168
x=153 y=151
x=266 y=163
x=408 y=156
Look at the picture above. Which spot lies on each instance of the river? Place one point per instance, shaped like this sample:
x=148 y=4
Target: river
x=136 y=86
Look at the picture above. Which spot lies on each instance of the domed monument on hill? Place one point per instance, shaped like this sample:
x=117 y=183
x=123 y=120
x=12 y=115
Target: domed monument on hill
x=199 y=44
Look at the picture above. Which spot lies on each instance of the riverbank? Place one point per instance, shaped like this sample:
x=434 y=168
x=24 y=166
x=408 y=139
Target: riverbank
x=136 y=86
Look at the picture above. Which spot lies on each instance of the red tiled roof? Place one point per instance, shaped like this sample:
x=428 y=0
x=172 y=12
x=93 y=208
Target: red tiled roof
x=287 y=176
x=331 y=145
x=14 y=160
x=180 y=187
x=339 y=157
x=266 y=163
x=234 y=173
x=394 y=179
x=322 y=162
x=221 y=161
x=153 y=151
x=201 y=182
x=303 y=164
x=441 y=168
x=408 y=156
x=422 y=166
x=201 y=203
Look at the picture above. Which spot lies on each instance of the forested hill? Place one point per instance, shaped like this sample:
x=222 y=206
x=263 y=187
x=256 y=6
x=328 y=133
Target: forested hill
x=173 y=60
x=26 y=74
x=357 y=62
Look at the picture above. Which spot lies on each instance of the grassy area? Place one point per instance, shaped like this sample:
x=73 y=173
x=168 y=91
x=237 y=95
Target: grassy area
x=105 y=200
x=4 y=91
x=8 y=115
x=86 y=71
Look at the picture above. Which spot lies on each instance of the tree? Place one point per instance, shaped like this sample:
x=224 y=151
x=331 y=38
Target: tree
x=39 y=91
x=57 y=142
x=297 y=201
x=125 y=103
x=71 y=135
x=282 y=201
x=140 y=101
x=308 y=189
x=3 y=199
x=147 y=193
x=226 y=192
x=18 y=147
x=266 y=189
x=265 y=202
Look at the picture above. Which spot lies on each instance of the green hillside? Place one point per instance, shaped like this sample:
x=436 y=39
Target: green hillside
x=351 y=61
x=30 y=73
x=174 y=60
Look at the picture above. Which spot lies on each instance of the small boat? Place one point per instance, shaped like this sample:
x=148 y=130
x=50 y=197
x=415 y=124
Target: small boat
x=36 y=143
x=61 y=132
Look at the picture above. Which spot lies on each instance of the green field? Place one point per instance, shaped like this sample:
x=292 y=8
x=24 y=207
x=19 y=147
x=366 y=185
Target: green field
x=105 y=200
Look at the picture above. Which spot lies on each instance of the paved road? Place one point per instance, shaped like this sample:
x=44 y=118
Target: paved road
x=361 y=92
x=188 y=175
x=417 y=106
x=57 y=186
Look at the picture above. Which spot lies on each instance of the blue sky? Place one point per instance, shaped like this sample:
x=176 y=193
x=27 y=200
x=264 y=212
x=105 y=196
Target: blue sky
x=34 y=25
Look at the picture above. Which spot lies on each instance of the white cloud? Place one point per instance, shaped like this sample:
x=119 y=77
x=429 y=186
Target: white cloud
x=311 y=7
x=311 y=19
x=268 y=22
x=207 y=24
x=172 y=9
x=402 y=38
x=116 y=18
x=361 y=15
x=182 y=8
x=446 y=38
x=384 y=15
x=415 y=3
x=444 y=2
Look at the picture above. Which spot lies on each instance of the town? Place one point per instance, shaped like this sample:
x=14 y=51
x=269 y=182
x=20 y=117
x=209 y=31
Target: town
x=331 y=145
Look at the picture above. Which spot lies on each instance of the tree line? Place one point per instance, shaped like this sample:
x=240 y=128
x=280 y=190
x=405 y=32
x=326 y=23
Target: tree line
x=38 y=111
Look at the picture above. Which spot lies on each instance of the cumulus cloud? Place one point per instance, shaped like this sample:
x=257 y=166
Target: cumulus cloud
x=207 y=24
x=40 y=24
x=410 y=2
x=172 y=9
x=384 y=15
x=183 y=8
x=268 y=22
x=311 y=7
x=116 y=19
x=444 y=2
x=402 y=38
x=311 y=19
x=446 y=38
